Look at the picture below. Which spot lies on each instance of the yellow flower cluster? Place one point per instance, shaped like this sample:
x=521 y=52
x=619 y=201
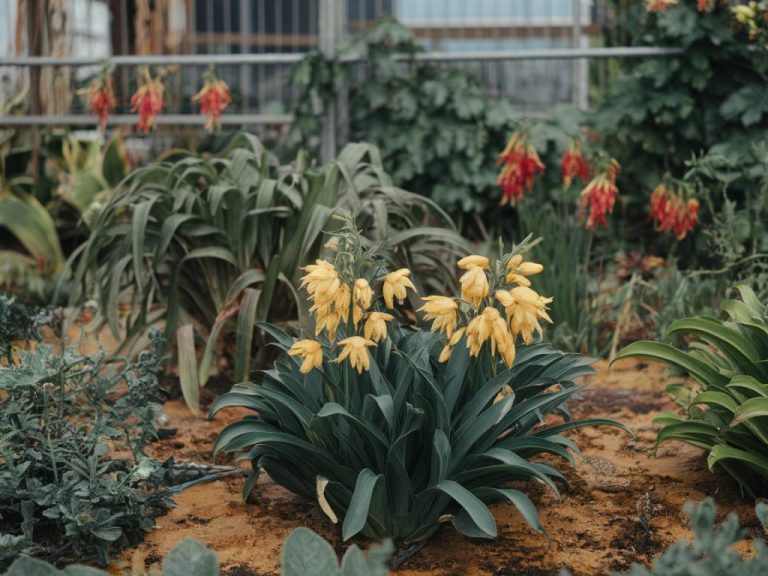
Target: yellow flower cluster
x=749 y=17
x=523 y=308
x=331 y=300
x=496 y=306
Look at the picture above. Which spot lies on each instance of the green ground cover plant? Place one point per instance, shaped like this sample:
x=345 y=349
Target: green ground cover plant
x=72 y=473
x=20 y=322
x=724 y=412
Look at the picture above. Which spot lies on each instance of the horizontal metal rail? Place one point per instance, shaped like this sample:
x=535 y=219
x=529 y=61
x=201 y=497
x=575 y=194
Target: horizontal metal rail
x=282 y=58
x=127 y=119
x=155 y=60
x=550 y=54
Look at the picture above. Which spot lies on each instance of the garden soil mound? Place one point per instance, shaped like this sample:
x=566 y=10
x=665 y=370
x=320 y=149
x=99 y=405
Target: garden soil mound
x=623 y=504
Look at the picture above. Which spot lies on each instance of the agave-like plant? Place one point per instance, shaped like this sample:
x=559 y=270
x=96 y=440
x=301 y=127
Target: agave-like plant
x=399 y=429
x=204 y=243
x=726 y=412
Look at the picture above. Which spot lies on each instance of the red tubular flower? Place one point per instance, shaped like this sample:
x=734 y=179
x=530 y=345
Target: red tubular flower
x=574 y=165
x=599 y=196
x=704 y=5
x=214 y=98
x=100 y=96
x=672 y=213
x=520 y=165
x=659 y=5
x=148 y=102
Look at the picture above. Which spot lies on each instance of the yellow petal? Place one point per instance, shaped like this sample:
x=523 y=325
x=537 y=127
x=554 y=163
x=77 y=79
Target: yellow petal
x=474 y=261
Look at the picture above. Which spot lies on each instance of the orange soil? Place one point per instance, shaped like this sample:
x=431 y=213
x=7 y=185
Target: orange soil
x=622 y=506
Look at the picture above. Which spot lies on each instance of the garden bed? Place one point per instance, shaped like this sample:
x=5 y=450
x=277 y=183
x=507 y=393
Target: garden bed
x=622 y=506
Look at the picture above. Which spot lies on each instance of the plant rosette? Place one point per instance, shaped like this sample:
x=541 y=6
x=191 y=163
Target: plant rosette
x=397 y=429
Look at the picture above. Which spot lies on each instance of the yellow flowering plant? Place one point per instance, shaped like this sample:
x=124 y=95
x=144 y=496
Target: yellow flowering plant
x=397 y=429
x=496 y=306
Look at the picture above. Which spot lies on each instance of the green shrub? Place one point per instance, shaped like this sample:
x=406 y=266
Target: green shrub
x=19 y=322
x=711 y=553
x=438 y=131
x=423 y=432
x=662 y=111
x=65 y=418
x=724 y=414
x=216 y=241
x=48 y=214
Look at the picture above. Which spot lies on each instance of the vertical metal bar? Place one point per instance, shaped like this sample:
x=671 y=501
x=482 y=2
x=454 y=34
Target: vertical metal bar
x=246 y=18
x=576 y=44
x=329 y=27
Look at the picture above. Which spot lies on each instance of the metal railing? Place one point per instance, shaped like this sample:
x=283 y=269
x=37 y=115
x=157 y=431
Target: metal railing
x=523 y=70
x=219 y=59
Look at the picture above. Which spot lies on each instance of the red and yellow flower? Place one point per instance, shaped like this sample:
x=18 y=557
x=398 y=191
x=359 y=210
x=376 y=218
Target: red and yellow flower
x=520 y=165
x=100 y=96
x=659 y=5
x=599 y=196
x=148 y=101
x=574 y=165
x=214 y=98
x=674 y=210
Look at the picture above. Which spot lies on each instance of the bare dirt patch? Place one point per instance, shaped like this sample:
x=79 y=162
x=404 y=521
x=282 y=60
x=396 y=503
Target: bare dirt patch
x=623 y=504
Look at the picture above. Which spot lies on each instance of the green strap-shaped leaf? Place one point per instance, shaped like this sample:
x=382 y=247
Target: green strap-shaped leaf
x=481 y=517
x=721 y=452
x=139 y=221
x=696 y=433
x=738 y=349
x=718 y=399
x=357 y=513
x=668 y=354
x=519 y=500
x=743 y=382
x=190 y=387
x=752 y=408
x=245 y=322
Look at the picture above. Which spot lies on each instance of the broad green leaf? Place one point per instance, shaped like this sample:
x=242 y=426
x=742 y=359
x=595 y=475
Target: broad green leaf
x=307 y=554
x=357 y=513
x=190 y=387
x=190 y=558
x=477 y=511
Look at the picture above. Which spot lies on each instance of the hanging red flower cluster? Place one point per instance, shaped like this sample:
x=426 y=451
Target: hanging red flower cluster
x=147 y=100
x=705 y=5
x=599 y=196
x=214 y=98
x=520 y=165
x=100 y=95
x=659 y=5
x=673 y=209
x=574 y=165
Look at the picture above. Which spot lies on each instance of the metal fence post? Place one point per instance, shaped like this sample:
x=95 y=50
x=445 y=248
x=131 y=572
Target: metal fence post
x=579 y=90
x=329 y=28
